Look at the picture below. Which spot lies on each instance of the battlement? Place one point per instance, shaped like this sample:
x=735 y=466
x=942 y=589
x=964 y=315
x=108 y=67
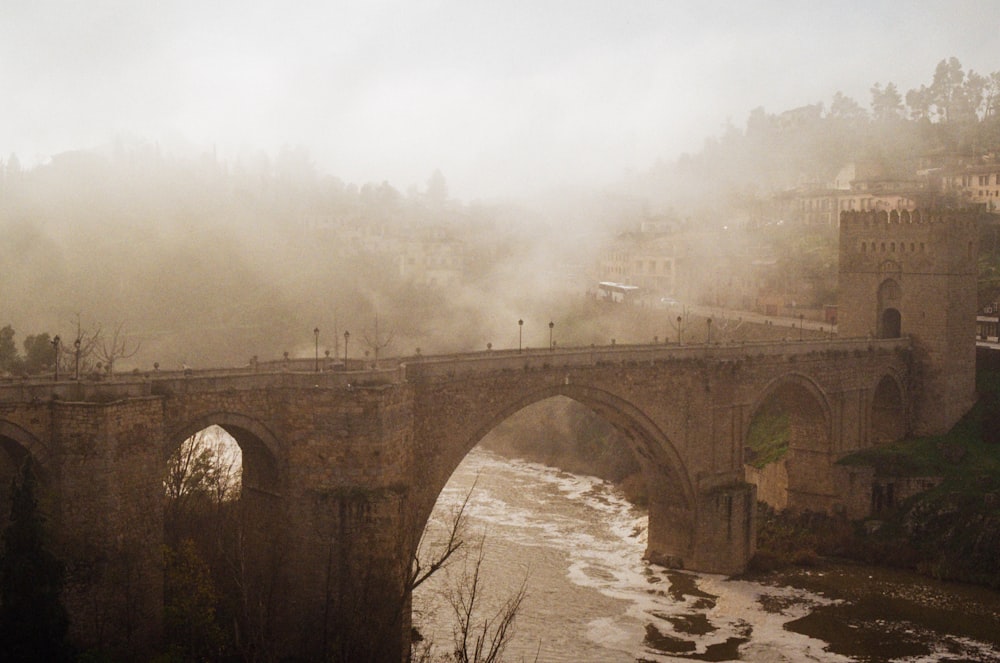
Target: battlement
x=940 y=241
x=955 y=218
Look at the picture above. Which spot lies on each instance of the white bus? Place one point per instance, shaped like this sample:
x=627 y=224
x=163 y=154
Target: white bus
x=618 y=293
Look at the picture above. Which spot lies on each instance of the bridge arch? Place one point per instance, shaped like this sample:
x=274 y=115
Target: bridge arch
x=802 y=474
x=18 y=443
x=672 y=496
x=887 y=409
x=646 y=440
x=257 y=443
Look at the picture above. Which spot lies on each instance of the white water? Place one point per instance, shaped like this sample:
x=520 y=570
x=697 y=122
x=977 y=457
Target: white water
x=591 y=598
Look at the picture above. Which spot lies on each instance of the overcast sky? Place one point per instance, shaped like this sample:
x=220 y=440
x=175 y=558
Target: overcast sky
x=501 y=96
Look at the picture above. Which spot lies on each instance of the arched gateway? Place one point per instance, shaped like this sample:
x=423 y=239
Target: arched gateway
x=346 y=466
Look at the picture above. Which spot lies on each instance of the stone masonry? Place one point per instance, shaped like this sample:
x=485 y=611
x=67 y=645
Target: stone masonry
x=342 y=468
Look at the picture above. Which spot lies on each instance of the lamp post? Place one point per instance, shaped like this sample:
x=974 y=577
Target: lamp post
x=680 y=321
x=520 y=328
x=316 y=334
x=708 y=341
x=347 y=337
x=551 y=325
x=802 y=318
x=55 y=346
x=76 y=361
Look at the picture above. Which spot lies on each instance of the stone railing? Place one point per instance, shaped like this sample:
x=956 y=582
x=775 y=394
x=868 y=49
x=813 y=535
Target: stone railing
x=301 y=373
x=453 y=366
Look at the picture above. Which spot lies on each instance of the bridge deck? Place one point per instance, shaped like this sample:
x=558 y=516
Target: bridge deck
x=301 y=373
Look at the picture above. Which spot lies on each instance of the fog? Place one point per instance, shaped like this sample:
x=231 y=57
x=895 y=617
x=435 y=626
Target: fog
x=503 y=98
x=222 y=179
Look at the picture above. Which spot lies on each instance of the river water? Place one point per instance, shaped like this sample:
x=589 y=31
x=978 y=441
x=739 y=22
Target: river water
x=578 y=545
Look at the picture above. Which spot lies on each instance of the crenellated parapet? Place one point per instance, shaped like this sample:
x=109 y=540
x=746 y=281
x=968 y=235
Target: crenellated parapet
x=940 y=241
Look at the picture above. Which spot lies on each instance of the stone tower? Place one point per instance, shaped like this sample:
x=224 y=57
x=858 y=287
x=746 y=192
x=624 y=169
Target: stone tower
x=913 y=273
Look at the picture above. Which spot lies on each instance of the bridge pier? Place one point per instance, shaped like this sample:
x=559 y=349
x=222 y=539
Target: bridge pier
x=345 y=597
x=717 y=536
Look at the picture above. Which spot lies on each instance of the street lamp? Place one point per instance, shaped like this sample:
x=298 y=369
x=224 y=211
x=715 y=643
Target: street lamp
x=347 y=337
x=520 y=328
x=55 y=346
x=802 y=318
x=316 y=334
x=709 y=340
x=551 y=325
x=680 y=320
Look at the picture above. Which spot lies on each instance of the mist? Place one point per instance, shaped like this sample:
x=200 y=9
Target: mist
x=219 y=182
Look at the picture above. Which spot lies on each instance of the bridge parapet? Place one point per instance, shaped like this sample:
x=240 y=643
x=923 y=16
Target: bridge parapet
x=453 y=366
x=294 y=373
x=174 y=382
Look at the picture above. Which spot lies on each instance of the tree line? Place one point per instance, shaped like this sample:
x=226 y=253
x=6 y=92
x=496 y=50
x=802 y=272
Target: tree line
x=91 y=353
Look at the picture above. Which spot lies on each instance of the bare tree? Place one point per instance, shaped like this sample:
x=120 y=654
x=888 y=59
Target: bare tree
x=118 y=346
x=420 y=571
x=478 y=638
x=77 y=358
x=377 y=342
x=204 y=464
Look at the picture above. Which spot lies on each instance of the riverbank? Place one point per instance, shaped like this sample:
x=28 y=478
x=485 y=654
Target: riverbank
x=951 y=532
x=928 y=617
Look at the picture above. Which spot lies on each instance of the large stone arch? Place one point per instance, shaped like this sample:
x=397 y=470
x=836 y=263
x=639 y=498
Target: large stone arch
x=805 y=474
x=16 y=446
x=887 y=409
x=260 y=516
x=258 y=444
x=672 y=499
x=19 y=443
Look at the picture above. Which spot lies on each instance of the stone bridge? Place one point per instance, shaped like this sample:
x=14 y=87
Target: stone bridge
x=342 y=467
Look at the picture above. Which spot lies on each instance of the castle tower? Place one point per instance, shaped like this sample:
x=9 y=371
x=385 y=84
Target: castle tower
x=913 y=273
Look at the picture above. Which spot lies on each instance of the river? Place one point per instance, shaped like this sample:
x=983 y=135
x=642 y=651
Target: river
x=578 y=546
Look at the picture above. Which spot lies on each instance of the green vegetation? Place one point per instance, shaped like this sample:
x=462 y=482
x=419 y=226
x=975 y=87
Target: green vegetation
x=768 y=438
x=964 y=456
x=951 y=532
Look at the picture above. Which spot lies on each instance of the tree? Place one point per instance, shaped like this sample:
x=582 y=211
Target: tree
x=9 y=359
x=482 y=638
x=845 y=108
x=39 y=353
x=378 y=342
x=476 y=638
x=190 y=598
x=946 y=88
x=887 y=104
x=33 y=622
x=204 y=470
x=919 y=103
x=76 y=359
x=119 y=346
